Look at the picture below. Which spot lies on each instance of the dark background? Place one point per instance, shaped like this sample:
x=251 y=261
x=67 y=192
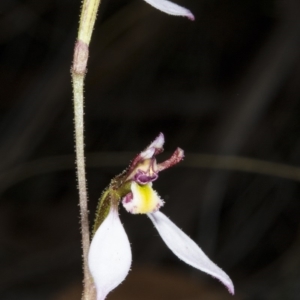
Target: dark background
x=226 y=84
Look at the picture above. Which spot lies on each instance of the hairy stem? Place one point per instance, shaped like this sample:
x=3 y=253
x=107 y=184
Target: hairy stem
x=81 y=53
x=80 y=161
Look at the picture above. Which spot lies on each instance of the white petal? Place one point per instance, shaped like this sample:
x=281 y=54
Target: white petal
x=110 y=255
x=171 y=8
x=186 y=249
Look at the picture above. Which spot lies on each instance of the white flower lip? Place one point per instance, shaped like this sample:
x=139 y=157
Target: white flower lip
x=186 y=249
x=109 y=255
x=171 y=8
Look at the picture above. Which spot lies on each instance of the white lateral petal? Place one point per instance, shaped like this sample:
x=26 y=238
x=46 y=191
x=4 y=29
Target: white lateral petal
x=186 y=249
x=171 y=8
x=110 y=255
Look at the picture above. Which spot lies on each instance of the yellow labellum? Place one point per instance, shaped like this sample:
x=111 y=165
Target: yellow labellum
x=145 y=199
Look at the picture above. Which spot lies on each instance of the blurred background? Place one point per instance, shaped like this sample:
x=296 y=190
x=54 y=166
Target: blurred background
x=223 y=88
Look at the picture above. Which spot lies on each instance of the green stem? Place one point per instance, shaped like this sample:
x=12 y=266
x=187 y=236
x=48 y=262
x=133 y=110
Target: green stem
x=81 y=52
x=81 y=178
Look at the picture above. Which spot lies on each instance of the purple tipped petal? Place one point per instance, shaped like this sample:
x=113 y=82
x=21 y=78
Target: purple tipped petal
x=110 y=255
x=186 y=249
x=171 y=8
x=176 y=157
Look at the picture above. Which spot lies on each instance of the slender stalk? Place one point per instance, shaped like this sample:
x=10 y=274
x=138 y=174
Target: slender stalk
x=81 y=52
x=80 y=161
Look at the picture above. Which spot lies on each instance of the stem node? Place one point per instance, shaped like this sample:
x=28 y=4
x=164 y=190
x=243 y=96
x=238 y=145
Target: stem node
x=81 y=55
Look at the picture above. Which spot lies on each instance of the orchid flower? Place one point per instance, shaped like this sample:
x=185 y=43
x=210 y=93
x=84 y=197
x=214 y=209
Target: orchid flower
x=110 y=253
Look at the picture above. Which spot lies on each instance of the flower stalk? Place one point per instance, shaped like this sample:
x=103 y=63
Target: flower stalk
x=81 y=53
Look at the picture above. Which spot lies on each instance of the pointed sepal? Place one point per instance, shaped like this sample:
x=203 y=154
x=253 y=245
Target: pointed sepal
x=109 y=255
x=171 y=8
x=186 y=249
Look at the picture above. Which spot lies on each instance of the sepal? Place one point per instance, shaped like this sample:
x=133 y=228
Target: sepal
x=186 y=249
x=109 y=255
x=171 y=8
